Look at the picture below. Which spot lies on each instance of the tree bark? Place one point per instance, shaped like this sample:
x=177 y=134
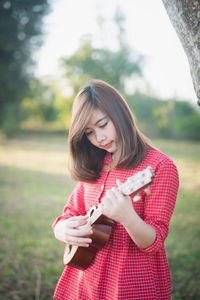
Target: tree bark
x=185 y=18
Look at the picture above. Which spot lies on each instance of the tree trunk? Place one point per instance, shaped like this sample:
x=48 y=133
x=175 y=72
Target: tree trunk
x=185 y=18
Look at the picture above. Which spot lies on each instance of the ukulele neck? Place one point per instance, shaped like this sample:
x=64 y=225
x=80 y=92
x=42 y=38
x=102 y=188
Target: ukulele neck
x=132 y=185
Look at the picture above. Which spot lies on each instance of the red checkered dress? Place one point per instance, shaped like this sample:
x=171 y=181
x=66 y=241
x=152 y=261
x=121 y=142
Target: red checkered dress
x=122 y=270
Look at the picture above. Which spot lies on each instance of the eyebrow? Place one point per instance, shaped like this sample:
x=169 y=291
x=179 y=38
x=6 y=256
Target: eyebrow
x=97 y=121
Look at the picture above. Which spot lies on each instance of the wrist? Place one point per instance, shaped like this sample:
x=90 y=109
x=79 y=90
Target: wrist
x=131 y=219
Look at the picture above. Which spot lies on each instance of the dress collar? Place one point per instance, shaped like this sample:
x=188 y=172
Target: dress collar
x=107 y=158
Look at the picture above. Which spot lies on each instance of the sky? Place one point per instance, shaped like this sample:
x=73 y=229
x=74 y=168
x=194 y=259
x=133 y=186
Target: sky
x=149 y=32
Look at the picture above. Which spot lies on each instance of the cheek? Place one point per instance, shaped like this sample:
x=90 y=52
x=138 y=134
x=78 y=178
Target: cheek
x=113 y=132
x=92 y=140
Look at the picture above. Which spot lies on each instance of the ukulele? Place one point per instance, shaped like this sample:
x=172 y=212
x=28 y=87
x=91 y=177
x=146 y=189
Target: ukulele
x=81 y=257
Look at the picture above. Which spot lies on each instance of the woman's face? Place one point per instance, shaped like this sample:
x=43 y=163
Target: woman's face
x=101 y=132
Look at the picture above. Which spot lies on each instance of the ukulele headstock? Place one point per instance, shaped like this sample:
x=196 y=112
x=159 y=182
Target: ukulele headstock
x=137 y=182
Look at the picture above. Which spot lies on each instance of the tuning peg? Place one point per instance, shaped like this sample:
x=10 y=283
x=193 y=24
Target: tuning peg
x=147 y=191
x=137 y=197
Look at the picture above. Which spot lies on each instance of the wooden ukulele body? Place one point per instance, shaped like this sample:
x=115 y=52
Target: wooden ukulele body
x=81 y=257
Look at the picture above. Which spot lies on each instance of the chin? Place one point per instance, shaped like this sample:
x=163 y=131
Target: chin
x=112 y=151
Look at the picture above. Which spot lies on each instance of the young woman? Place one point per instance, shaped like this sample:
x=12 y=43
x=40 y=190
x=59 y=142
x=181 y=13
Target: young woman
x=107 y=147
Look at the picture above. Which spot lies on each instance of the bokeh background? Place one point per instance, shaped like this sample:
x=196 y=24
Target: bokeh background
x=48 y=50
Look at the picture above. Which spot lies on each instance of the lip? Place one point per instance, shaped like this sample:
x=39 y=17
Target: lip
x=107 y=146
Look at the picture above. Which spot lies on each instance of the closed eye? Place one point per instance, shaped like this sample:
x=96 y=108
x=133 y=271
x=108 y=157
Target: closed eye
x=104 y=125
x=101 y=126
x=88 y=133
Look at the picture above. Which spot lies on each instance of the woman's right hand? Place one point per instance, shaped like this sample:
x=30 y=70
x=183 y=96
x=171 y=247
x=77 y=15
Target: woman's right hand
x=74 y=231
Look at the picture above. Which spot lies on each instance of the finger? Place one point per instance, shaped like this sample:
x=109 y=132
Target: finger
x=79 y=241
x=106 y=202
x=110 y=194
x=116 y=193
x=79 y=232
x=78 y=218
x=107 y=205
x=120 y=195
x=105 y=210
x=76 y=223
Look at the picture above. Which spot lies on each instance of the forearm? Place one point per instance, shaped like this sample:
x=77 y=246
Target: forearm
x=140 y=232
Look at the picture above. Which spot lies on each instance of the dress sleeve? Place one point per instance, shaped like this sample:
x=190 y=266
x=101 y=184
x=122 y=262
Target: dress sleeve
x=75 y=205
x=159 y=206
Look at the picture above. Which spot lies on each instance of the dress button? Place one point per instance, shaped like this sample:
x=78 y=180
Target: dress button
x=102 y=187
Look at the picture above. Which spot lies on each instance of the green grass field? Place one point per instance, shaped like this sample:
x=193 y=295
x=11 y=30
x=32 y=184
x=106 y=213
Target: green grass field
x=34 y=186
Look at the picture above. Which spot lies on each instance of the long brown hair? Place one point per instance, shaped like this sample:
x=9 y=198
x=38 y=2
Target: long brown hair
x=85 y=159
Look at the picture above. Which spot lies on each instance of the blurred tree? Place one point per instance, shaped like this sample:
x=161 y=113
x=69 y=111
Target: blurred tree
x=20 y=36
x=112 y=66
x=188 y=127
x=89 y=62
x=165 y=119
x=185 y=17
x=46 y=106
x=39 y=104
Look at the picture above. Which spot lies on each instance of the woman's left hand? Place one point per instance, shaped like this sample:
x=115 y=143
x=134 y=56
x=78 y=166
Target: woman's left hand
x=117 y=206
